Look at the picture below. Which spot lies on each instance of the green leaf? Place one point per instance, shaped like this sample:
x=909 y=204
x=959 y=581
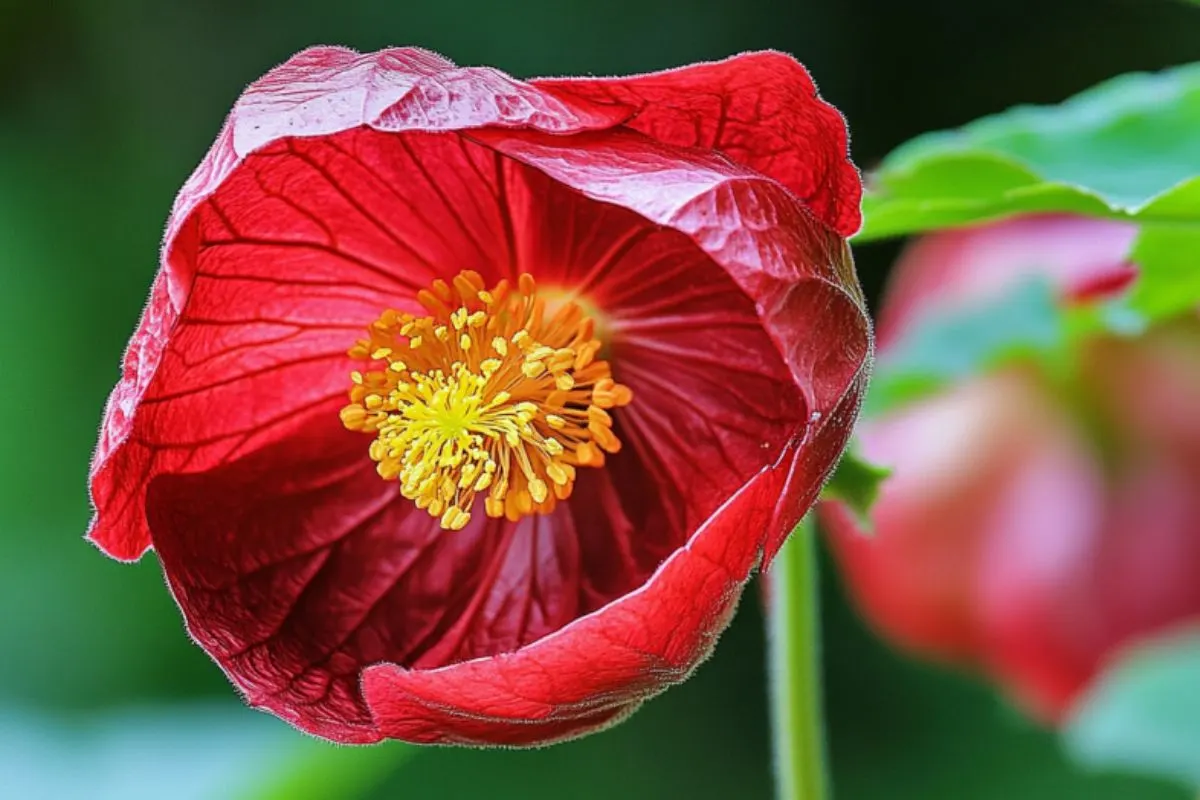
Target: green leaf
x=950 y=345
x=1124 y=149
x=1168 y=280
x=1167 y=255
x=1143 y=715
x=856 y=484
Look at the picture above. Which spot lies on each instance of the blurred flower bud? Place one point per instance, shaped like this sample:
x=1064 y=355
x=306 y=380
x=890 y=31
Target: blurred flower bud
x=1033 y=526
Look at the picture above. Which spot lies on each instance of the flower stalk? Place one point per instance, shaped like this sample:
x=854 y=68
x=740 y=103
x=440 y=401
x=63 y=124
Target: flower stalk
x=795 y=661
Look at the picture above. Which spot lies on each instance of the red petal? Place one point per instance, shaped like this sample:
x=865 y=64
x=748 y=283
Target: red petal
x=712 y=409
x=760 y=109
x=326 y=90
x=237 y=372
x=296 y=566
x=604 y=663
x=255 y=553
x=318 y=92
x=288 y=261
x=123 y=532
x=797 y=276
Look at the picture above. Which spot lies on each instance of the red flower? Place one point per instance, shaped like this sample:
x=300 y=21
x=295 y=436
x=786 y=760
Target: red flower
x=594 y=344
x=1033 y=528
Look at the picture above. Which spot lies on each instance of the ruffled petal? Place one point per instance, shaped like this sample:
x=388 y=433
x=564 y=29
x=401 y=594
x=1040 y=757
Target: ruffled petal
x=278 y=561
x=287 y=261
x=341 y=184
x=299 y=131
x=762 y=110
x=286 y=126
x=711 y=409
x=326 y=90
x=795 y=274
x=295 y=114
x=602 y=664
x=296 y=566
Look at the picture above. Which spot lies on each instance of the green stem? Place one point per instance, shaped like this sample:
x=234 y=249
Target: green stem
x=795 y=652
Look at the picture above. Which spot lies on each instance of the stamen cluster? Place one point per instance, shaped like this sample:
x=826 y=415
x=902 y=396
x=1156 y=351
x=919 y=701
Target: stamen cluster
x=485 y=393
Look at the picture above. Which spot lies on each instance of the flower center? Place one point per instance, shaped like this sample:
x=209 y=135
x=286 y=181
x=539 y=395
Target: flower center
x=486 y=393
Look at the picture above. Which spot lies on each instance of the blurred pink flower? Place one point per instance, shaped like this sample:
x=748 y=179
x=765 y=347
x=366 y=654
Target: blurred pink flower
x=1031 y=528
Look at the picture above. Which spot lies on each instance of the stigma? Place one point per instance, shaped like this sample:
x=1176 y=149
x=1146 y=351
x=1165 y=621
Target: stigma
x=490 y=393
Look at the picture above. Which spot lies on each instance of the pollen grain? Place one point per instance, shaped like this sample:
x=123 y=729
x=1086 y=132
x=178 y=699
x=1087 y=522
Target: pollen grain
x=489 y=393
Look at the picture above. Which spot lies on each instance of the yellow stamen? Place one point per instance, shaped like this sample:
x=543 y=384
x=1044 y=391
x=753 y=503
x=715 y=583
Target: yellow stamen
x=511 y=410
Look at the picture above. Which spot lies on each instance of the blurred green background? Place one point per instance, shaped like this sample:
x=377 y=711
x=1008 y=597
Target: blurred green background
x=105 y=107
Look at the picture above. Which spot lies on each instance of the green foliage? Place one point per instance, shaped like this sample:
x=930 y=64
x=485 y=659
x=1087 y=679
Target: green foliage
x=95 y=145
x=856 y=483
x=1029 y=323
x=950 y=345
x=320 y=769
x=1124 y=149
x=1169 y=276
x=1143 y=715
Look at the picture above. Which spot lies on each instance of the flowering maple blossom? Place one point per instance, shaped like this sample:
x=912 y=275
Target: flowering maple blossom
x=1033 y=526
x=464 y=407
